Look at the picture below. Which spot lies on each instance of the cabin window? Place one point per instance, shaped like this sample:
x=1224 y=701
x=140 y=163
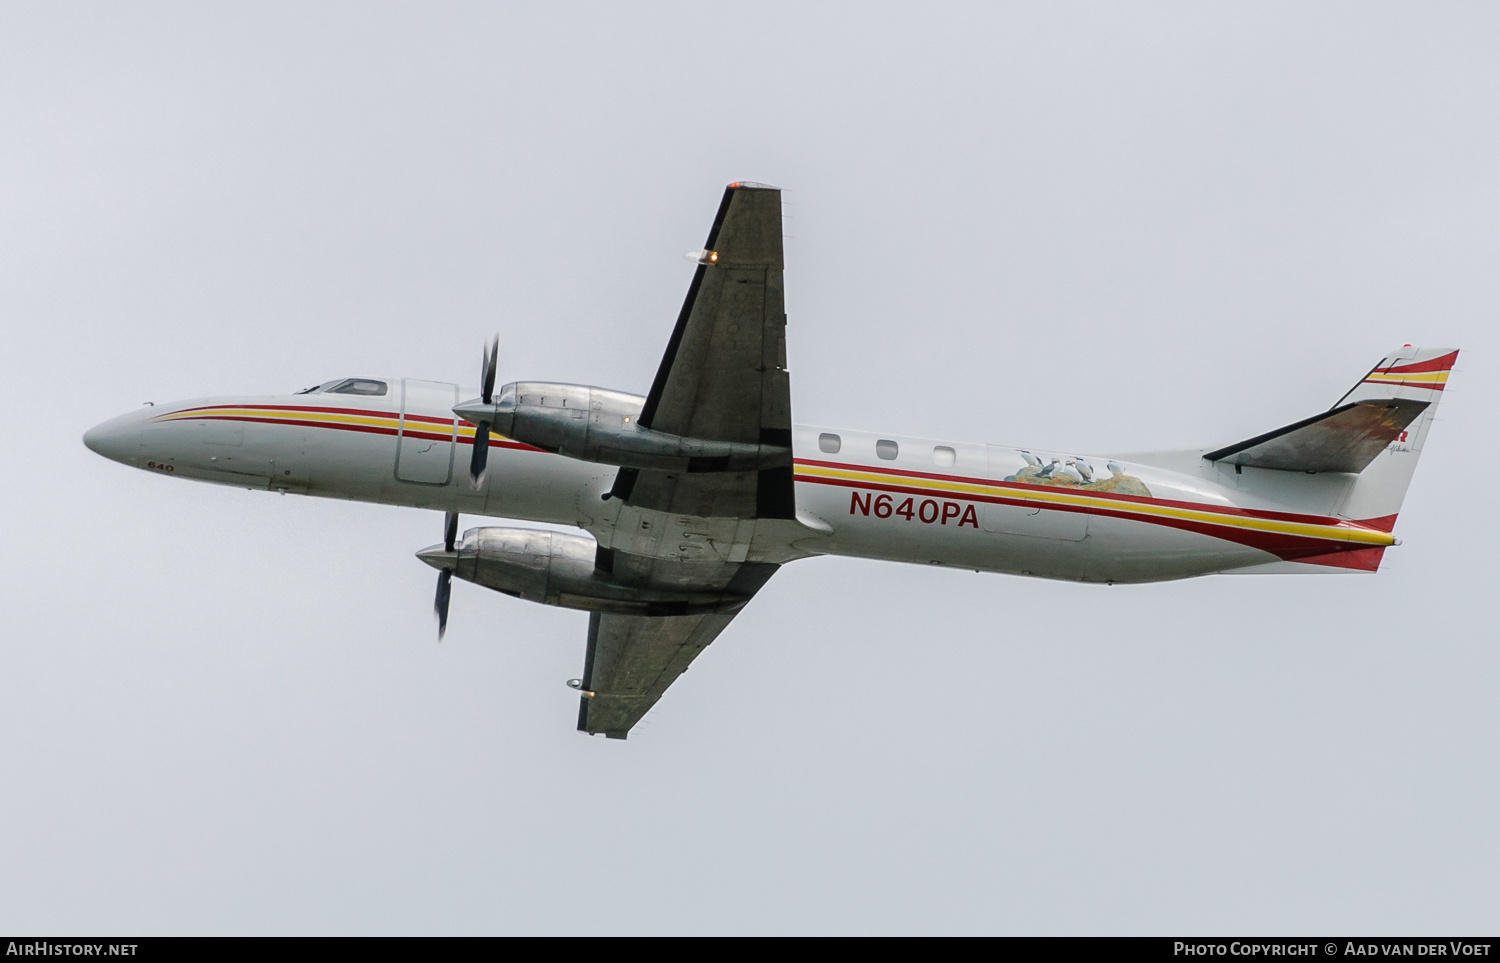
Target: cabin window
x=943 y=456
x=887 y=449
x=358 y=386
x=829 y=443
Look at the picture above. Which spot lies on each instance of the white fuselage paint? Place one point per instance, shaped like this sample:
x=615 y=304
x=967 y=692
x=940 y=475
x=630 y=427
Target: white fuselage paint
x=406 y=448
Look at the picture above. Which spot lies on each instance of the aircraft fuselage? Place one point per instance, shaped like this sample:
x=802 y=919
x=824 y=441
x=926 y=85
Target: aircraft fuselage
x=973 y=506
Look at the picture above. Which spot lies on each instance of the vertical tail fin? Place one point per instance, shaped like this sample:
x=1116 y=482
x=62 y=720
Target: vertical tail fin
x=1408 y=374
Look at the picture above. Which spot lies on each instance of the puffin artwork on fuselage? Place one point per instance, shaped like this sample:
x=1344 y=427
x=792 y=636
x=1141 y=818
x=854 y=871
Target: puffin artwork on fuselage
x=1073 y=472
x=665 y=513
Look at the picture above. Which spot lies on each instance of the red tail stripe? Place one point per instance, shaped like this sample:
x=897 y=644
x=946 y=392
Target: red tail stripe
x=1360 y=559
x=1443 y=363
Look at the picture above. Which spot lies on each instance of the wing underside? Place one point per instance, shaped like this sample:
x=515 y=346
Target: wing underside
x=632 y=659
x=723 y=377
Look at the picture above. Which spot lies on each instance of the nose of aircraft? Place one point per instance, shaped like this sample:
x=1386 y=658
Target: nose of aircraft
x=118 y=439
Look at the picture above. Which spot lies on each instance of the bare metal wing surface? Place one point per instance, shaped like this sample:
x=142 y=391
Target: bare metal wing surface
x=632 y=659
x=723 y=378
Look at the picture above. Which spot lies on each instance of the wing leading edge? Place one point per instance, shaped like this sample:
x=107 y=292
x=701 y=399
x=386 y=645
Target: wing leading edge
x=723 y=376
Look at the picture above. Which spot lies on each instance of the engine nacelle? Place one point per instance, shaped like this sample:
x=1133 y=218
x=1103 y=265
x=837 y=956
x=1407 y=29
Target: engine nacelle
x=558 y=569
x=599 y=425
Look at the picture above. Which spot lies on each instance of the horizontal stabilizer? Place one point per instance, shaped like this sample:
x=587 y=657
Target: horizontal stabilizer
x=1345 y=439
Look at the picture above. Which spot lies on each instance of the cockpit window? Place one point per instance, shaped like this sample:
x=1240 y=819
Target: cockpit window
x=358 y=386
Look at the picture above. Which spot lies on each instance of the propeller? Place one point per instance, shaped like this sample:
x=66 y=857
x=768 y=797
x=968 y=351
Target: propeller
x=481 y=454
x=445 y=577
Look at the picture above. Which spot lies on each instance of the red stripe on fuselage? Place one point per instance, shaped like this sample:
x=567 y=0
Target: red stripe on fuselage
x=495 y=441
x=1080 y=490
x=365 y=412
x=1359 y=559
x=1284 y=546
x=1385 y=523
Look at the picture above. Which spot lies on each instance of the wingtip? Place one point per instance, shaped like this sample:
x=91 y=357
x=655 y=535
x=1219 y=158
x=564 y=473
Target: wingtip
x=752 y=186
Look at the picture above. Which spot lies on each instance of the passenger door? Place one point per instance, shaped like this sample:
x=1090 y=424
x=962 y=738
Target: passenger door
x=425 y=440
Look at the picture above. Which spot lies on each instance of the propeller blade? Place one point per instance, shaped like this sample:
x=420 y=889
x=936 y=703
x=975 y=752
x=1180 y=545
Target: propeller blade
x=481 y=455
x=450 y=530
x=487 y=382
x=440 y=604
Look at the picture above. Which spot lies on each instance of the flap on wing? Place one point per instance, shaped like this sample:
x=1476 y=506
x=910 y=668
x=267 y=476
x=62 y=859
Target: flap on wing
x=1345 y=439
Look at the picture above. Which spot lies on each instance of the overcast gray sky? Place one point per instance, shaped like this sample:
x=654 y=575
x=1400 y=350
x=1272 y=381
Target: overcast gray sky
x=1097 y=227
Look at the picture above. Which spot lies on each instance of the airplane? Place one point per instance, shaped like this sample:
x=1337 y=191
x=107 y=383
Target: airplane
x=683 y=502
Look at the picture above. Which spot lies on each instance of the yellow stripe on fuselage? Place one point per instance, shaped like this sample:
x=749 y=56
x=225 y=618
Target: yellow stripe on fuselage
x=1052 y=496
x=373 y=420
x=1038 y=495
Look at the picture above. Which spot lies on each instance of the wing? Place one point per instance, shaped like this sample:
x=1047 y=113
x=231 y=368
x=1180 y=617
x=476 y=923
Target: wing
x=632 y=659
x=724 y=376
